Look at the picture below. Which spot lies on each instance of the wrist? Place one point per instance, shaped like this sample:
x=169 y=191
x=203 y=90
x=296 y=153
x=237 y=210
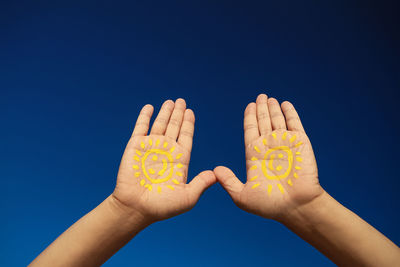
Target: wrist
x=131 y=219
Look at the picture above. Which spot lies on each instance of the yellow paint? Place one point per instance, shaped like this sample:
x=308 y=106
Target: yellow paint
x=165 y=144
x=147 y=185
x=138 y=152
x=179 y=174
x=154 y=158
x=253 y=178
x=274 y=135
x=136 y=158
x=157 y=142
x=136 y=167
x=137 y=174
x=172 y=149
x=298 y=144
x=255 y=185
x=270 y=162
x=150 y=187
x=142 y=145
x=290 y=182
x=265 y=142
x=171 y=187
x=165 y=165
x=298 y=153
x=280 y=155
x=292 y=139
x=295 y=175
x=179 y=165
x=150 y=142
x=269 y=190
x=269 y=156
x=159 y=189
x=281 y=188
x=142 y=182
x=151 y=171
x=253 y=158
x=284 y=135
x=297 y=167
x=257 y=149
x=175 y=181
x=179 y=156
x=299 y=159
x=279 y=167
x=253 y=167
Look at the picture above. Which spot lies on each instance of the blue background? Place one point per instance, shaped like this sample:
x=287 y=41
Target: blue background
x=73 y=78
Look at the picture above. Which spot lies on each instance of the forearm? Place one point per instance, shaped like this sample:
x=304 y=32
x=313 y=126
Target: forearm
x=95 y=237
x=341 y=235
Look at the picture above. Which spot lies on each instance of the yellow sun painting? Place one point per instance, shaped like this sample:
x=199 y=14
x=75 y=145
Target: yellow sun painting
x=278 y=163
x=157 y=165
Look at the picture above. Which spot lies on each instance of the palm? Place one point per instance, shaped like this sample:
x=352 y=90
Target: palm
x=153 y=171
x=281 y=169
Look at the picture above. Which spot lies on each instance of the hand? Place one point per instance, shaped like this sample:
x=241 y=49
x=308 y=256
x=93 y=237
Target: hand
x=153 y=171
x=281 y=168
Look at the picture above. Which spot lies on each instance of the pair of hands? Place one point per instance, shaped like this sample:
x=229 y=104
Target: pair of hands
x=281 y=168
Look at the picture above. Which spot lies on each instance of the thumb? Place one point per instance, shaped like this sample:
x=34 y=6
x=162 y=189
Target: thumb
x=229 y=181
x=201 y=182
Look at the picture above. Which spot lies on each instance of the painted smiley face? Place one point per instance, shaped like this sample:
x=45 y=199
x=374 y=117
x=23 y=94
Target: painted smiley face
x=274 y=158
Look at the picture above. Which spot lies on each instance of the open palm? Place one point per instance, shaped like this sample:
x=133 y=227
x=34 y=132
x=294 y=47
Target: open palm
x=153 y=171
x=281 y=168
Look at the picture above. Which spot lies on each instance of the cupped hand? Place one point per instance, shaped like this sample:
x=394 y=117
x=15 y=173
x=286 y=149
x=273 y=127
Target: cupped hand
x=281 y=168
x=153 y=171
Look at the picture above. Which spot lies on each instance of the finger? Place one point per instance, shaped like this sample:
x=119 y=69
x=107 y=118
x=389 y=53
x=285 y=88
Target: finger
x=187 y=130
x=275 y=112
x=142 y=123
x=200 y=183
x=293 y=121
x=264 y=122
x=229 y=181
x=175 y=122
x=161 y=122
x=250 y=124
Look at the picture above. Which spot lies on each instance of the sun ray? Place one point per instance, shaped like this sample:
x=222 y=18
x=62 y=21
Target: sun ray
x=297 y=167
x=298 y=153
x=142 y=182
x=137 y=174
x=159 y=189
x=295 y=175
x=150 y=142
x=253 y=178
x=274 y=135
x=157 y=142
x=281 y=188
x=179 y=165
x=265 y=142
x=171 y=187
x=175 y=181
x=179 y=174
x=150 y=187
x=255 y=185
x=253 y=167
x=138 y=152
x=179 y=156
x=269 y=189
x=284 y=135
x=298 y=144
x=292 y=139
x=299 y=159
x=136 y=167
x=290 y=182
x=136 y=158
x=254 y=159
x=165 y=144
x=142 y=145
x=257 y=149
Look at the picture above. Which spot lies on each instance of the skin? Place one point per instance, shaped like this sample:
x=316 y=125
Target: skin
x=132 y=207
x=303 y=206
